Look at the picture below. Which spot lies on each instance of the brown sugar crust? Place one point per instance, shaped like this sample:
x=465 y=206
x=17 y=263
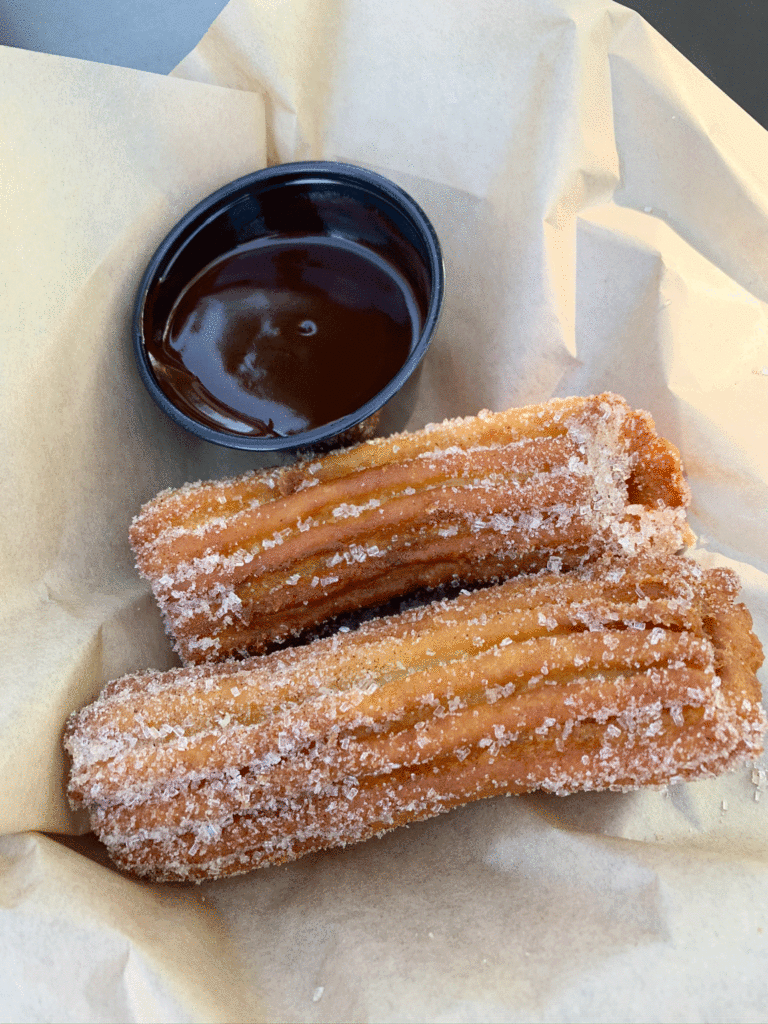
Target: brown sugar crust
x=625 y=672
x=240 y=565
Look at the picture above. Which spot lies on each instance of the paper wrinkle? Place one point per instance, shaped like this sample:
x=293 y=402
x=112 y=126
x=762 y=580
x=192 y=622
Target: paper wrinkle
x=602 y=210
x=464 y=950
x=660 y=106
x=79 y=644
x=125 y=950
x=693 y=294
x=71 y=286
x=145 y=994
x=292 y=45
x=283 y=136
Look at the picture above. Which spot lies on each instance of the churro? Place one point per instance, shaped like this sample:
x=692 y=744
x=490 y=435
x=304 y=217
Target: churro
x=239 y=565
x=621 y=673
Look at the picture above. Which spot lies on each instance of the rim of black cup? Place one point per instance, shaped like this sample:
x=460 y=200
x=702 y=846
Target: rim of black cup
x=211 y=207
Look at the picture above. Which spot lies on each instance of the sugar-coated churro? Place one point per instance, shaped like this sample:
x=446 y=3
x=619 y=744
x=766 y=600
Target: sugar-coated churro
x=239 y=565
x=625 y=672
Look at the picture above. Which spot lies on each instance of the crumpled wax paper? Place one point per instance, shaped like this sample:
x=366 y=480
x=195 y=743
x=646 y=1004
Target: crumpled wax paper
x=603 y=211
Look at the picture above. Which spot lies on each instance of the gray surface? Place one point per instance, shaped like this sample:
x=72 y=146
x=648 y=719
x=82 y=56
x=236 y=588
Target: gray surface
x=726 y=39
x=152 y=35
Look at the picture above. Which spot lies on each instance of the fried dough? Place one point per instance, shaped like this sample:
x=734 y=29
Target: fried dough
x=239 y=565
x=622 y=673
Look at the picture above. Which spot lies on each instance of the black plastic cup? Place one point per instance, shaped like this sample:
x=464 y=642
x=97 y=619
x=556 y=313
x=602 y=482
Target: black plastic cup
x=308 y=198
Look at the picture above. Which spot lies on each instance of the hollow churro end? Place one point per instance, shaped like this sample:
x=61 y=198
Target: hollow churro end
x=621 y=673
x=657 y=477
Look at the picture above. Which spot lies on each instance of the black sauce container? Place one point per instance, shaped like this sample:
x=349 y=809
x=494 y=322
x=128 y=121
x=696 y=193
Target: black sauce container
x=324 y=199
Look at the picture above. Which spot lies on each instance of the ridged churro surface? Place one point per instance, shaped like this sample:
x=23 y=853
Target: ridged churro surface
x=239 y=565
x=626 y=672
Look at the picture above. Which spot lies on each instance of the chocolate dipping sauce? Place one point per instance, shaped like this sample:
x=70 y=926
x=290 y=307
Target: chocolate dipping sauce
x=285 y=334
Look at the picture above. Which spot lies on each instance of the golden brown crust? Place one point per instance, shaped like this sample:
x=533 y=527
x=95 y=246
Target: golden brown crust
x=239 y=565
x=623 y=673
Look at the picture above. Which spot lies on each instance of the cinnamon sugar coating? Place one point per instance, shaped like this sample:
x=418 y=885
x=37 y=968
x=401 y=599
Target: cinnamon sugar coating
x=239 y=565
x=626 y=672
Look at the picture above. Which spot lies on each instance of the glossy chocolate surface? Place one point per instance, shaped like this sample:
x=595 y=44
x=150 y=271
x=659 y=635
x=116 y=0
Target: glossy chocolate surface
x=284 y=334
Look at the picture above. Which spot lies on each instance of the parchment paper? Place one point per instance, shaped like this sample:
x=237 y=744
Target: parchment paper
x=603 y=211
